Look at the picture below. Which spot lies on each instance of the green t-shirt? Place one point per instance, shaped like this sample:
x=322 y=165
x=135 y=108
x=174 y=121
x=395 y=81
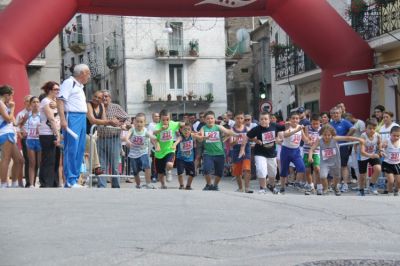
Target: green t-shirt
x=213 y=144
x=166 y=139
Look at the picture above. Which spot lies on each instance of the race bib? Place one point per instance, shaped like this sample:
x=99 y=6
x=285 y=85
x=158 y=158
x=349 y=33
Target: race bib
x=212 y=136
x=268 y=137
x=33 y=133
x=296 y=138
x=370 y=149
x=166 y=135
x=394 y=157
x=187 y=146
x=328 y=153
x=137 y=140
x=240 y=138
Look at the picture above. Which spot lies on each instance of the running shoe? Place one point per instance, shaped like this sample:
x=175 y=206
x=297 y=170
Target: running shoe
x=148 y=186
x=262 y=191
x=282 y=191
x=207 y=187
x=248 y=191
x=344 y=188
x=396 y=193
x=319 y=192
x=181 y=187
x=337 y=192
x=361 y=193
x=188 y=188
x=373 y=190
x=214 y=188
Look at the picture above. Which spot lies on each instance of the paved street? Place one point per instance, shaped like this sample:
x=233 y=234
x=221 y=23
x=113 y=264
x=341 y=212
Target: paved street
x=173 y=227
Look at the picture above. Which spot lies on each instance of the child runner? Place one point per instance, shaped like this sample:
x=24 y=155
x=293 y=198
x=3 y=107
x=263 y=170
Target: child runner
x=312 y=132
x=391 y=162
x=214 y=154
x=291 y=149
x=165 y=157
x=137 y=140
x=241 y=154
x=330 y=155
x=9 y=149
x=32 y=121
x=185 y=156
x=264 y=136
x=371 y=152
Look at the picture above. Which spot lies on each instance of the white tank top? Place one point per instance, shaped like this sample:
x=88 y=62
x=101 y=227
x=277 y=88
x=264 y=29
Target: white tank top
x=392 y=154
x=6 y=127
x=32 y=126
x=370 y=145
x=294 y=140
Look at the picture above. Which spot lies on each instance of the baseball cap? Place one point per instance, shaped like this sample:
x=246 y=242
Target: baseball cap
x=300 y=110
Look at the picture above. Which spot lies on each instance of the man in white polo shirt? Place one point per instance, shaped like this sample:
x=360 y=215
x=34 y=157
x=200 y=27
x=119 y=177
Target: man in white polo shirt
x=72 y=108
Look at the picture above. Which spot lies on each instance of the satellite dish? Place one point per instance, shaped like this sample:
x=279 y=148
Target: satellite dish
x=243 y=38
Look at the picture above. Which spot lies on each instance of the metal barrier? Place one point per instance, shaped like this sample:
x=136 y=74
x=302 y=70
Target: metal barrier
x=106 y=151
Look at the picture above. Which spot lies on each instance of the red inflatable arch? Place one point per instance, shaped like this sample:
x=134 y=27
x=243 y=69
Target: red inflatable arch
x=27 y=26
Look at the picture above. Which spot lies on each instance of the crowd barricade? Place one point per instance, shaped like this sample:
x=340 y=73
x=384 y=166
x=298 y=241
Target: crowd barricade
x=106 y=149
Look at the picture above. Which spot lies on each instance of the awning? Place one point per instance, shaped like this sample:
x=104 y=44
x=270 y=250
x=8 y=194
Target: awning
x=373 y=71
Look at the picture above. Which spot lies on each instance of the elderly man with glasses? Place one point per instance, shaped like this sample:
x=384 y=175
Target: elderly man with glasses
x=72 y=108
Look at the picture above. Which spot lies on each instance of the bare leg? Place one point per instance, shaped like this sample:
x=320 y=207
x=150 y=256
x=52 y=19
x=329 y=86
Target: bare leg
x=147 y=175
x=390 y=181
x=32 y=166
x=180 y=180
x=247 y=176
x=239 y=182
x=137 y=180
x=189 y=181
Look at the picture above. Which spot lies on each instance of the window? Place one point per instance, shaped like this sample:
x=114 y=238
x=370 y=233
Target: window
x=175 y=39
x=313 y=106
x=79 y=28
x=81 y=59
x=72 y=61
x=176 y=76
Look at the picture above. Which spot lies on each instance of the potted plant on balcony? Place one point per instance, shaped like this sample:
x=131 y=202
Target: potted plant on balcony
x=194 y=48
x=209 y=97
x=356 y=11
x=149 y=90
x=161 y=51
x=179 y=98
x=191 y=95
x=277 y=49
x=169 y=97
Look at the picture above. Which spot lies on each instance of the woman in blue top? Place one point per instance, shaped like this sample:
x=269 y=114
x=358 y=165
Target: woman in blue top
x=9 y=149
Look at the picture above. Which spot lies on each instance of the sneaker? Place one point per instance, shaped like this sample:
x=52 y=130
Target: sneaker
x=14 y=184
x=148 y=186
x=181 y=187
x=138 y=186
x=164 y=187
x=337 y=192
x=282 y=191
x=385 y=192
x=373 y=190
x=319 y=192
x=214 y=187
x=248 y=191
x=276 y=191
x=396 y=193
x=344 y=188
x=361 y=193
x=76 y=186
x=129 y=180
x=154 y=180
x=262 y=191
x=239 y=190
x=169 y=176
x=207 y=187
x=271 y=188
x=188 y=188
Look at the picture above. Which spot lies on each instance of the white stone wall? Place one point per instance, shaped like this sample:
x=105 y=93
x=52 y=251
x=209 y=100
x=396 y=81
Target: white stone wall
x=141 y=35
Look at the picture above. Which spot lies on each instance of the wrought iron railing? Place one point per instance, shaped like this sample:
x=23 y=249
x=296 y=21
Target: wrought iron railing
x=191 y=91
x=177 y=48
x=377 y=19
x=292 y=61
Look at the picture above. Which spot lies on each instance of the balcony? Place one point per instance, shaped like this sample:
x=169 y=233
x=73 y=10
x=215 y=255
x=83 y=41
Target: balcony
x=111 y=57
x=292 y=61
x=75 y=42
x=195 y=93
x=377 y=19
x=39 y=61
x=173 y=49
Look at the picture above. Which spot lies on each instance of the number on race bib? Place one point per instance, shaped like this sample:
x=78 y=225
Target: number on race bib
x=328 y=153
x=370 y=149
x=394 y=156
x=296 y=138
x=166 y=135
x=268 y=137
x=212 y=136
x=187 y=146
x=137 y=141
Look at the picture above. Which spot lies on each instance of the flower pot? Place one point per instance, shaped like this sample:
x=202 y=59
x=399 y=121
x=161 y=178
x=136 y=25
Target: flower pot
x=179 y=98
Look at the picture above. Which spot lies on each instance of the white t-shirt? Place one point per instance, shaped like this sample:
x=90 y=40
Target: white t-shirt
x=385 y=131
x=44 y=128
x=18 y=119
x=359 y=127
x=294 y=140
x=71 y=92
x=140 y=143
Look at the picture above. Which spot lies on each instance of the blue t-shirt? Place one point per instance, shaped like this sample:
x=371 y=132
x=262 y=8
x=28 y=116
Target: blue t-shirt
x=185 y=149
x=236 y=148
x=342 y=127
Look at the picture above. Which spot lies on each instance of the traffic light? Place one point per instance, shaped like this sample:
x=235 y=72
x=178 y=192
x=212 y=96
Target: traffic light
x=262 y=90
